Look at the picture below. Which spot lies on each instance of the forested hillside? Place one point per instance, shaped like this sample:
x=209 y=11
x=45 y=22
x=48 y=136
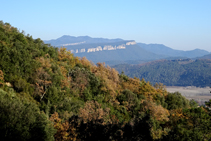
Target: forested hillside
x=205 y=57
x=47 y=93
x=180 y=72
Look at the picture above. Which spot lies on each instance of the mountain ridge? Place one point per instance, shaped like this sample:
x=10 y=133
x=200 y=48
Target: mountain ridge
x=118 y=51
x=65 y=39
x=47 y=93
x=162 y=49
x=180 y=72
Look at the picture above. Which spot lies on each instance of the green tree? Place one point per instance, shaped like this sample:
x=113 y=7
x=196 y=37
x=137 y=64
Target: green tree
x=195 y=125
x=176 y=100
x=21 y=120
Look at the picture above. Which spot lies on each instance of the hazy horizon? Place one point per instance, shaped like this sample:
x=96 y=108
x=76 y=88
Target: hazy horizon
x=181 y=25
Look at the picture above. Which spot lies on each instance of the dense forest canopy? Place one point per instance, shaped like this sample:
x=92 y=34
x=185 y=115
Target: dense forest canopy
x=47 y=93
x=180 y=72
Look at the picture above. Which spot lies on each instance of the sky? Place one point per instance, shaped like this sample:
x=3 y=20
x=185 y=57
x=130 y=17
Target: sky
x=179 y=24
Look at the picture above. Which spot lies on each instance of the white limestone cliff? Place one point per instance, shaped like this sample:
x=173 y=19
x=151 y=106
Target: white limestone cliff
x=106 y=47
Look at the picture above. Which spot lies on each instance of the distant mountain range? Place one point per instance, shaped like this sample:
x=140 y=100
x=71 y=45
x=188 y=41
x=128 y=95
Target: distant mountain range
x=205 y=57
x=153 y=62
x=164 y=50
x=118 y=51
x=66 y=40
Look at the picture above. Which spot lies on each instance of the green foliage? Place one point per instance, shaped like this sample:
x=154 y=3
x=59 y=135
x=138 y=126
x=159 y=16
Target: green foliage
x=130 y=101
x=128 y=96
x=176 y=100
x=86 y=102
x=85 y=82
x=123 y=76
x=194 y=126
x=21 y=120
x=181 y=72
x=193 y=103
x=160 y=100
x=71 y=105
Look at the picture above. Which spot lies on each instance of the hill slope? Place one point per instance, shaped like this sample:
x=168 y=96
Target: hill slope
x=172 y=72
x=47 y=93
x=205 y=57
x=164 y=50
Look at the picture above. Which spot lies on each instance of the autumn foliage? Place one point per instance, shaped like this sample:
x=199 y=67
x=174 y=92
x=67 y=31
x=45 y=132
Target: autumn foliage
x=1 y=77
x=71 y=98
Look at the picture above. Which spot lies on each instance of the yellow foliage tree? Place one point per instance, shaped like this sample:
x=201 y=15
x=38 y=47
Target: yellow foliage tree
x=110 y=79
x=92 y=111
x=158 y=113
x=86 y=63
x=65 y=82
x=43 y=79
x=65 y=131
x=175 y=115
x=133 y=84
x=1 y=78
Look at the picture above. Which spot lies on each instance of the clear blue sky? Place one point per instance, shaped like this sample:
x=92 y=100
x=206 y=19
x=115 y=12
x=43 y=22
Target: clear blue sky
x=179 y=24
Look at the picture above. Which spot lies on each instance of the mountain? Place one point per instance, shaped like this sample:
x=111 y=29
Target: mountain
x=111 y=51
x=180 y=72
x=164 y=50
x=66 y=40
x=119 y=51
x=116 y=51
x=48 y=94
x=205 y=57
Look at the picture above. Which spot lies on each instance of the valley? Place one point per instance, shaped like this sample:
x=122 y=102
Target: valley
x=105 y=70
x=200 y=95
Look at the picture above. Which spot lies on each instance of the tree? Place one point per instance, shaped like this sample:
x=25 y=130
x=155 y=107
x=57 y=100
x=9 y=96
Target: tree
x=93 y=111
x=64 y=133
x=176 y=100
x=43 y=78
x=194 y=125
x=129 y=100
x=22 y=120
x=208 y=103
x=1 y=78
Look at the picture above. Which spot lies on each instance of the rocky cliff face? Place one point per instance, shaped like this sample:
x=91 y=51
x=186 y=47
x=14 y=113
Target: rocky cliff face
x=104 y=50
x=100 y=48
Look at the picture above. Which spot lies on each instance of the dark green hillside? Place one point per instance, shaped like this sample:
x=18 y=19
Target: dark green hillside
x=182 y=72
x=205 y=57
x=48 y=94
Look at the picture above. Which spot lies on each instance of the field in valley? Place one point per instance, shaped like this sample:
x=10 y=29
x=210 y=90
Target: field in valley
x=200 y=95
